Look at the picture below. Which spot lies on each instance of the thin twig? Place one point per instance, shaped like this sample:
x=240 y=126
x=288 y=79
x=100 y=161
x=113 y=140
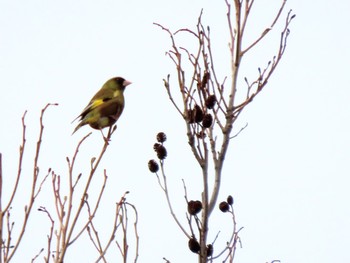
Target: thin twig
x=166 y=192
x=32 y=199
x=67 y=239
x=267 y=30
x=119 y=210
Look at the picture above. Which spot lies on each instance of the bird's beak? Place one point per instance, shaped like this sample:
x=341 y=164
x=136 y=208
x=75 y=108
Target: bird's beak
x=126 y=83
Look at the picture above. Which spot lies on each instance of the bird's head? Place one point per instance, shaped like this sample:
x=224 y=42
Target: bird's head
x=121 y=82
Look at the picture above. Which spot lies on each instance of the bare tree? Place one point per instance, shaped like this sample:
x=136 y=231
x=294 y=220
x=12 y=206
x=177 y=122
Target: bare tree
x=67 y=222
x=210 y=106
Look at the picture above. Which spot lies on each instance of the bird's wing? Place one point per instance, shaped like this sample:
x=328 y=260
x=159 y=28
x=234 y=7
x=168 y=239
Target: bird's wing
x=100 y=97
x=112 y=108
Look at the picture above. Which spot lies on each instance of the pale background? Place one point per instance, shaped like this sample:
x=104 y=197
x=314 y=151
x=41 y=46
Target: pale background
x=288 y=171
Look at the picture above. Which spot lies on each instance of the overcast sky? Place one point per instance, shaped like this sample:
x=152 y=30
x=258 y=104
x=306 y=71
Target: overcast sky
x=288 y=171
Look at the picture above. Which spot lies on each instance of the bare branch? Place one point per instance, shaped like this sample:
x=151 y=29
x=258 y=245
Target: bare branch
x=33 y=194
x=50 y=235
x=166 y=192
x=267 y=30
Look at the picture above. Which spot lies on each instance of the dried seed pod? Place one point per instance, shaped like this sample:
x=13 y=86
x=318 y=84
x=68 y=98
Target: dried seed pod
x=161 y=137
x=224 y=206
x=153 y=166
x=205 y=79
x=201 y=134
x=155 y=146
x=210 y=250
x=194 y=245
x=210 y=102
x=161 y=152
x=197 y=114
x=194 y=207
x=190 y=117
x=229 y=200
x=207 y=120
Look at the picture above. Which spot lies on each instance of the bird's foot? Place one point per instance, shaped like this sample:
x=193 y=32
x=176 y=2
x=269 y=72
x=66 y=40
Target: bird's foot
x=106 y=139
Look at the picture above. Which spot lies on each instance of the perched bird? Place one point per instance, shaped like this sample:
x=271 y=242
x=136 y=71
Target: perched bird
x=106 y=106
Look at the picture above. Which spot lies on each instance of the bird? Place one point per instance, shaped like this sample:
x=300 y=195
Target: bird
x=105 y=108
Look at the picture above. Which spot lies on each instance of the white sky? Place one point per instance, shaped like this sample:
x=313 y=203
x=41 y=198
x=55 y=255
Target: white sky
x=288 y=171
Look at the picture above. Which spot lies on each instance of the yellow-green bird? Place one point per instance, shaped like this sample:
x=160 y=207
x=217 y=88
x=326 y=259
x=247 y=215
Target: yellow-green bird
x=105 y=108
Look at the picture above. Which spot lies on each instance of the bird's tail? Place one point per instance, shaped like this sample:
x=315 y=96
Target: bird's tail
x=76 y=118
x=78 y=127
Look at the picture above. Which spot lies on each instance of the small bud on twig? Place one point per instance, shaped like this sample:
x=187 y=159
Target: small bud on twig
x=230 y=200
